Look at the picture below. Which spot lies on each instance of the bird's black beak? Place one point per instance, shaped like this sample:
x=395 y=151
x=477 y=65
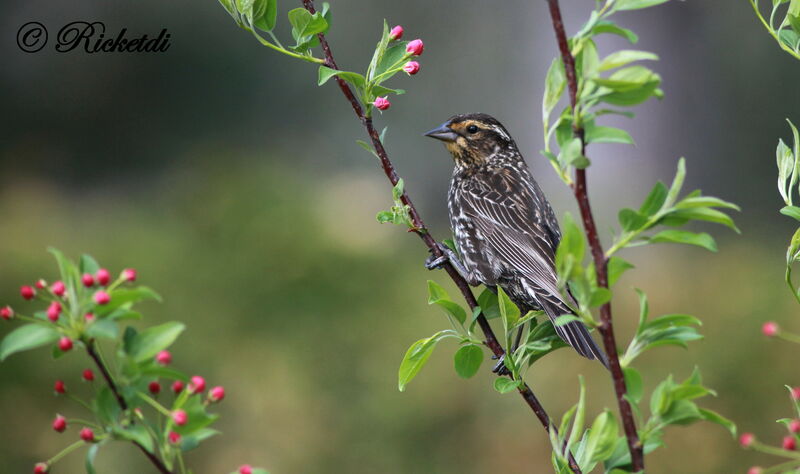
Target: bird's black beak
x=443 y=133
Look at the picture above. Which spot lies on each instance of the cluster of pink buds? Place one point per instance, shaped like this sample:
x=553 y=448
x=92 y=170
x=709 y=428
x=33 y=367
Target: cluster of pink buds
x=413 y=48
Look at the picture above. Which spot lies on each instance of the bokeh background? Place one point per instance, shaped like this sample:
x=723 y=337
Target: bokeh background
x=232 y=182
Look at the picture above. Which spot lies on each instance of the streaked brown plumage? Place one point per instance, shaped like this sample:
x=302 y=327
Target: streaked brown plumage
x=504 y=227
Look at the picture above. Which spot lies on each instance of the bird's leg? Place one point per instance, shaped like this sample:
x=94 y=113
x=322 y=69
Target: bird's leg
x=432 y=262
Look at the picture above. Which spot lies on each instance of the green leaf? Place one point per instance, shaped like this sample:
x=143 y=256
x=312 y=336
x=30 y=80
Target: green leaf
x=624 y=57
x=91 y=453
x=106 y=406
x=637 y=4
x=380 y=90
x=231 y=9
x=609 y=27
x=151 y=341
x=508 y=310
x=616 y=267
x=630 y=86
x=791 y=211
x=392 y=58
x=29 y=336
x=268 y=14
x=490 y=307
x=417 y=355
x=661 y=399
x=88 y=264
x=554 y=85
x=598 y=134
x=103 y=329
x=565 y=319
x=438 y=296
x=704 y=201
x=504 y=385
x=468 y=360
x=714 y=417
x=136 y=433
x=193 y=440
x=352 y=78
x=305 y=26
x=602 y=438
x=705 y=214
x=634 y=383
x=571 y=249
x=571 y=154
x=631 y=220
x=677 y=183
x=122 y=298
x=655 y=200
x=701 y=239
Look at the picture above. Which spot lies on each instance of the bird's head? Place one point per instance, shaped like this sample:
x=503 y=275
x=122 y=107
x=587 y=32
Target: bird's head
x=472 y=139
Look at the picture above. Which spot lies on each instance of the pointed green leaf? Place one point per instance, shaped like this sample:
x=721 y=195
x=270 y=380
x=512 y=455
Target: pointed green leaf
x=468 y=360
x=29 y=336
x=701 y=239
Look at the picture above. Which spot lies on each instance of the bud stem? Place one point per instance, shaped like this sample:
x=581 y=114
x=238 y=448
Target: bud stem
x=159 y=407
x=72 y=447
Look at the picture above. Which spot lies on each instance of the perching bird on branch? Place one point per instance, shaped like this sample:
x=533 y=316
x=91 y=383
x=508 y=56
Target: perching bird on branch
x=504 y=227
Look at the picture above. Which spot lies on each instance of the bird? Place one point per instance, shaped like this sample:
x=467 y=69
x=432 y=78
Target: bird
x=504 y=228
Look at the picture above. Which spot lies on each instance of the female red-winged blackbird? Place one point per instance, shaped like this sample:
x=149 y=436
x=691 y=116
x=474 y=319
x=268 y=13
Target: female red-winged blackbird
x=504 y=227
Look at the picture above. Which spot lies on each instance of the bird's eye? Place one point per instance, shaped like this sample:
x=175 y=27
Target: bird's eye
x=472 y=128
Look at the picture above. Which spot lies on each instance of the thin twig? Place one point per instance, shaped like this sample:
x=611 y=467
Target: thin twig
x=579 y=188
x=422 y=231
x=90 y=349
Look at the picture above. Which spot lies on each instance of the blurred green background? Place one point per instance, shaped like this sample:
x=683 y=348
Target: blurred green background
x=233 y=184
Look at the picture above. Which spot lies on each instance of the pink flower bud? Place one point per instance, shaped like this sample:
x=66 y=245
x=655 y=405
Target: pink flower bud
x=89 y=317
x=40 y=468
x=54 y=311
x=88 y=375
x=179 y=417
x=103 y=276
x=41 y=284
x=415 y=47
x=794 y=426
x=770 y=329
x=246 y=468
x=789 y=443
x=382 y=103
x=88 y=280
x=747 y=439
x=177 y=386
x=27 y=292
x=101 y=297
x=60 y=424
x=65 y=344
x=174 y=437
x=6 y=313
x=58 y=288
x=755 y=470
x=411 y=68
x=796 y=394
x=197 y=384
x=59 y=387
x=87 y=435
x=396 y=33
x=216 y=394
x=154 y=387
x=164 y=357
x=129 y=274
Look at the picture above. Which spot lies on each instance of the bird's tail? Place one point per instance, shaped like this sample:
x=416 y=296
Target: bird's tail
x=574 y=333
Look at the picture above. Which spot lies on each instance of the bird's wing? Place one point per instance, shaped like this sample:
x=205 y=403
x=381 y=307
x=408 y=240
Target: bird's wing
x=519 y=228
x=514 y=227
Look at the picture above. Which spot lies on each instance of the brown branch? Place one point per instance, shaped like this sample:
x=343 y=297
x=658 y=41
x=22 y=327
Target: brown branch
x=581 y=192
x=422 y=231
x=90 y=349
